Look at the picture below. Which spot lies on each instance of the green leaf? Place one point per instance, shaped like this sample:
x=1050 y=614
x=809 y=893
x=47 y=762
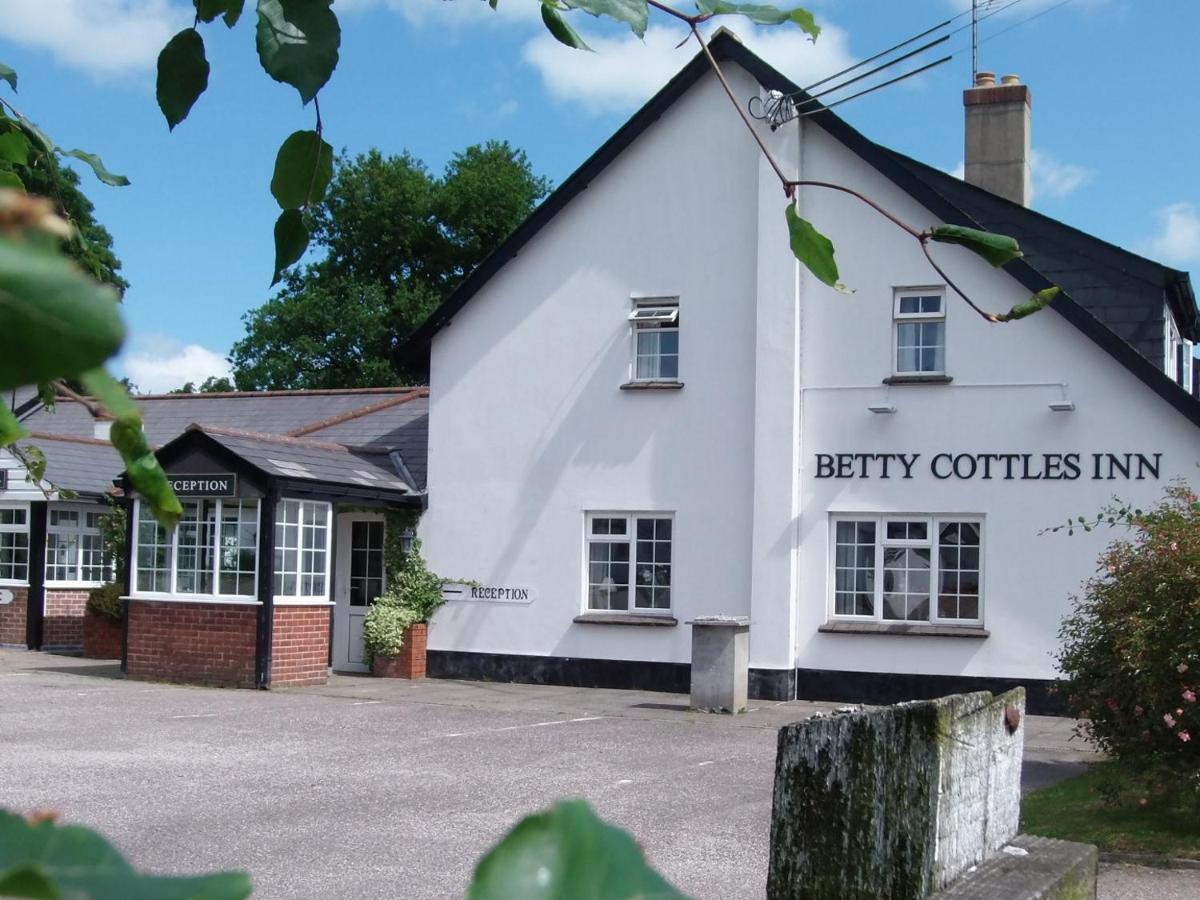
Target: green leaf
x=78 y=862
x=57 y=321
x=634 y=13
x=14 y=147
x=27 y=881
x=11 y=430
x=562 y=31
x=567 y=853
x=813 y=249
x=207 y=10
x=141 y=465
x=1037 y=302
x=762 y=14
x=303 y=169
x=298 y=43
x=291 y=240
x=35 y=462
x=9 y=75
x=98 y=167
x=997 y=249
x=36 y=136
x=182 y=75
x=11 y=180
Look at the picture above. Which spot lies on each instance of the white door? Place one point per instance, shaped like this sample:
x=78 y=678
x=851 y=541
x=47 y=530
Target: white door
x=358 y=581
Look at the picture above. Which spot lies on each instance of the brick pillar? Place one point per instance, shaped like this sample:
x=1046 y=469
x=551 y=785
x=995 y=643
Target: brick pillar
x=300 y=645
x=12 y=616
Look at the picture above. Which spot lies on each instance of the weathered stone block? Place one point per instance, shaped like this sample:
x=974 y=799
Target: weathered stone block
x=897 y=801
x=720 y=663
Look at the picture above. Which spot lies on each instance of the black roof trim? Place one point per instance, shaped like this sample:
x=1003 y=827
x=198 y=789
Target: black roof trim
x=1182 y=301
x=726 y=47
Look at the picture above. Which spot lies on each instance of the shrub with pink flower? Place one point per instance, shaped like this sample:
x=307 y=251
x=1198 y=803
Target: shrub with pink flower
x=1133 y=638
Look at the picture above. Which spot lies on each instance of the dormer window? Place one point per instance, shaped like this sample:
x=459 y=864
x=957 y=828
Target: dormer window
x=655 y=324
x=919 y=332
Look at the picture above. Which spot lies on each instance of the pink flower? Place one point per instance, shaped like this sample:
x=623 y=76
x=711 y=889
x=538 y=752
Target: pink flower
x=1137 y=710
x=1189 y=696
x=1169 y=719
x=1184 y=736
x=1143 y=802
x=1112 y=704
x=1174 y=546
x=1181 y=668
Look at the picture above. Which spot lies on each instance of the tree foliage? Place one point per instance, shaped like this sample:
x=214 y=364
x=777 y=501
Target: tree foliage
x=213 y=384
x=396 y=241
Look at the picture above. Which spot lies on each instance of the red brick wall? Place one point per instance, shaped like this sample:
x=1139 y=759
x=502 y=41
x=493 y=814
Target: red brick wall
x=101 y=637
x=62 y=628
x=300 y=646
x=12 y=616
x=198 y=643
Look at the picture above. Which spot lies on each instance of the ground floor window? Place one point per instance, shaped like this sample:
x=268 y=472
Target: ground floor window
x=212 y=552
x=302 y=549
x=14 y=543
x=629 y=561
x=74 y=547
x=908 y=568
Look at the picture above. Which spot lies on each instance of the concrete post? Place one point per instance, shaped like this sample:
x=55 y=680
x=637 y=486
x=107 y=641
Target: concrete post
x=720 y=663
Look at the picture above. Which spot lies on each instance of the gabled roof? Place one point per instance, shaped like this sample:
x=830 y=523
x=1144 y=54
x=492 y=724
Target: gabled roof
x=84 y=465
x=1049 y=254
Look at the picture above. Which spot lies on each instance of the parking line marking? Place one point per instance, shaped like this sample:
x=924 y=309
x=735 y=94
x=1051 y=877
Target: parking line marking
x=707 y=762
x=364 y=702
x=197 y=716
x=518 y=727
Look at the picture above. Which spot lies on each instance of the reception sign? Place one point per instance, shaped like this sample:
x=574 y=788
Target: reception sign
x=208 y=484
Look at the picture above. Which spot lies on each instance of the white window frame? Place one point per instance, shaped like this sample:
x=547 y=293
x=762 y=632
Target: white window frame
x=899 y=318
x=214 y=597
x=1174 y=341
x=298 y=598
x=19 y=529
x=933 y=530
x=629 y=538
x=80 y=530
x=663 y=318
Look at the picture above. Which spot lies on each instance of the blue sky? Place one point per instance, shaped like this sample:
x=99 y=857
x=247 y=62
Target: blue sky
x=1116 y=123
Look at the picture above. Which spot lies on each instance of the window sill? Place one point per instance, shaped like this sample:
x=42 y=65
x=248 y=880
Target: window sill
x=618 y=618
x=918 y=629
x=214 y=601
x=918 y=379
x=652 y=385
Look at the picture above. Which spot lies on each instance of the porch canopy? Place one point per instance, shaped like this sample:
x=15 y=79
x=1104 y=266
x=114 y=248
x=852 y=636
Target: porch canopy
x=256 y=531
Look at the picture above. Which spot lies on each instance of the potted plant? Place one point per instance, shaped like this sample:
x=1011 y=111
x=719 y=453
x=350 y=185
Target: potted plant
x=396 y=627
x=102 y=622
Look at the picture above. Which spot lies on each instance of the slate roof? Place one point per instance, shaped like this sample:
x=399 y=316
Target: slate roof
x=1120 y=295
x=81 y=464
x=302 y=459
x=391 y=424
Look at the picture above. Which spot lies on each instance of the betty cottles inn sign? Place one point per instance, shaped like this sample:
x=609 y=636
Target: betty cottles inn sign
x=991 y=466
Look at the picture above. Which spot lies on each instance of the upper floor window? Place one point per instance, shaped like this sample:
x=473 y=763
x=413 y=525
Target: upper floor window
x=74 y=547
x=655 y=323
x=920 y=332
x=629 y=562
x=908 y=568
x=14 y=543
x=1179 y=355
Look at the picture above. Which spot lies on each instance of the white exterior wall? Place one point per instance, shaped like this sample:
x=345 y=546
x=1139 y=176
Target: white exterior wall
x=1004 y=378
x=528 y=429
x=528 y=426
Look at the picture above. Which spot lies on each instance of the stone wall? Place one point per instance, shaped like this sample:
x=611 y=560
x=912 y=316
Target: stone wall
x=12 y=617
x=196 y=643
x=896 y=801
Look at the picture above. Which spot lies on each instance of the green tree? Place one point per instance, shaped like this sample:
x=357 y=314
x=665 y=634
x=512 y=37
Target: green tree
x=210 y=385
x=396 y=241
x=92 y=248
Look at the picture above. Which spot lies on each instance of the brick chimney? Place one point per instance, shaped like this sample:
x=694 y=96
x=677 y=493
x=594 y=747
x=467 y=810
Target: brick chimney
x=998 y=127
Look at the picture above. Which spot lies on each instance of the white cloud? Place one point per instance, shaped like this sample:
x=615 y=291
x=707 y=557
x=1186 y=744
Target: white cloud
x=1177 y=241
x=1056 y=179
x=159 y=364
x=101 y=37
x=453 y=13
x=624 y=71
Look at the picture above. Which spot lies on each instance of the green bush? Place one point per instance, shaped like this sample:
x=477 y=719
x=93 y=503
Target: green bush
x=1130 y=649
x=413 y=595
x=105 y=601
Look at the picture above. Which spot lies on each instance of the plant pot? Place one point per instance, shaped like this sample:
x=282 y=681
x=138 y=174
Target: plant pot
x=101 y=637
x=410 y=662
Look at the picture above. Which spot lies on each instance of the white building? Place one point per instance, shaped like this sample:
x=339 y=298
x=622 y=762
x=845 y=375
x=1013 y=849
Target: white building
x=644 y=410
